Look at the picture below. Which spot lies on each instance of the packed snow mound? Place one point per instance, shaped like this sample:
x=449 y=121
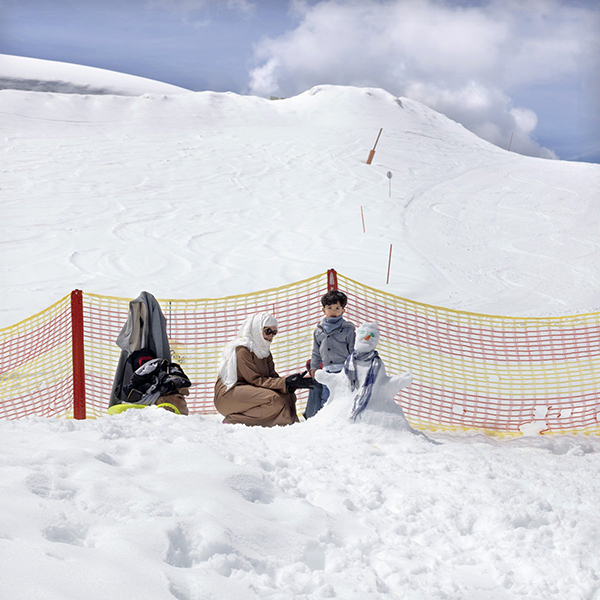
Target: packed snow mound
x=38 y=75
x=362 y=389
x=381 y=411
x=213 y=194
x=150 y=505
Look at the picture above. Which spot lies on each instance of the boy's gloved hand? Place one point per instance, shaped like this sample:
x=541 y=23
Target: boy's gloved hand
x=298 y=381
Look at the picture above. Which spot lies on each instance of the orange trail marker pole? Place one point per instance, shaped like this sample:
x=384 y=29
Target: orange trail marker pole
x=362 y=215
x=78 y=354
x=372 y=152
x=389 y=265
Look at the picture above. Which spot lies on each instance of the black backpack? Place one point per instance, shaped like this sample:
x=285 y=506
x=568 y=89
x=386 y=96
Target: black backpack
x=154 y=378
x=133 y=362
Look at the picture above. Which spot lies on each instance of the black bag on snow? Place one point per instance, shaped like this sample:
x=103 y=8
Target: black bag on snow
x=133 y=362
x=155 y=378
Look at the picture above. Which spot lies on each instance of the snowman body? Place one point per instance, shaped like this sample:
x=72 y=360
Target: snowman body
x=381 y=408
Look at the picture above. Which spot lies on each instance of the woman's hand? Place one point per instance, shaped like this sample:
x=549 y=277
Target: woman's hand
x=298 y=381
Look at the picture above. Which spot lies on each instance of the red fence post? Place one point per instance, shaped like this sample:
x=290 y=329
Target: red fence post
x=78 y=354
x=331 y=280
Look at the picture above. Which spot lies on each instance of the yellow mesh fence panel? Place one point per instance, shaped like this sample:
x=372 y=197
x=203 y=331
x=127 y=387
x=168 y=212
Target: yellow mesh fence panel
x=478 y=372
x=198 y=330
x=36 y=372
x=482 y=372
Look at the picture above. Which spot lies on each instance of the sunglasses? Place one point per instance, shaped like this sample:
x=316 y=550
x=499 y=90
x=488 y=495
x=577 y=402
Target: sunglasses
x=270 y=331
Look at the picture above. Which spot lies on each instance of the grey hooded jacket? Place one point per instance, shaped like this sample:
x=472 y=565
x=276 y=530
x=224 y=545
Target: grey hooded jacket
x=146 y=327
x=332 y=348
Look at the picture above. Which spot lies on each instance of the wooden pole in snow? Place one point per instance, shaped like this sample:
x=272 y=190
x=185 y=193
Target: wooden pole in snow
x=363 y=219
x=389 y=265
x=372 y=152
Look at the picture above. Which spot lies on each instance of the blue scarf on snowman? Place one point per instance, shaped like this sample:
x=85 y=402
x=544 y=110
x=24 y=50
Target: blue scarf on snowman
x=364 y=393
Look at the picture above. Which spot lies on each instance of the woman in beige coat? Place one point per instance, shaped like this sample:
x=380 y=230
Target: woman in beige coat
x=248 y=389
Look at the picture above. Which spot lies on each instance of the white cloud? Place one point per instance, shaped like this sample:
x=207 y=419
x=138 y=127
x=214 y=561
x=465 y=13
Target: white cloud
x=263 y=79
x=525 y=119
x=486 y=111
x=188 y=8
x=191 y=5
x=199 y=13
x=460 y=60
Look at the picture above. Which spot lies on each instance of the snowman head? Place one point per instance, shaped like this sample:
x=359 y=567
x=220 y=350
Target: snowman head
x=367 y=336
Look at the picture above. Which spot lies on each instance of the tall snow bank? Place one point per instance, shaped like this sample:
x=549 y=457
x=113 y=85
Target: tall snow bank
x=37 y=75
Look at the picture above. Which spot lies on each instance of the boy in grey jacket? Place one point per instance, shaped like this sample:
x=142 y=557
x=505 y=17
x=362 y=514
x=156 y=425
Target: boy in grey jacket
x=333 y=341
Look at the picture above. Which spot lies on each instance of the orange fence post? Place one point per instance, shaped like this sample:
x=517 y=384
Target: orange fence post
x=78 y=354
x=332 y=283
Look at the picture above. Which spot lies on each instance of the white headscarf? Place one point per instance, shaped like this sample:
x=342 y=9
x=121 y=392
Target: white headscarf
x=251 y=336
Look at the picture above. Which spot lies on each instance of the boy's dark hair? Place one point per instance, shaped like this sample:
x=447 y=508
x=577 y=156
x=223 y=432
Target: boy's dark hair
x=334 y=297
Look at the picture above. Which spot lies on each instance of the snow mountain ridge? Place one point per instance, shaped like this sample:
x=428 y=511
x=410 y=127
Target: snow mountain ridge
x=205 y=194
x=227 y=194
x=39 y=75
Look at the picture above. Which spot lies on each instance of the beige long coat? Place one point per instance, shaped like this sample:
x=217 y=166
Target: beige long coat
x=259 y=397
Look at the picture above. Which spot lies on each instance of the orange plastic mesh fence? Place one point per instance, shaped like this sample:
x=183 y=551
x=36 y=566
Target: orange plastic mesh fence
x=198 y=330
x=36 y=365
x=499 y=374
x=481 y=372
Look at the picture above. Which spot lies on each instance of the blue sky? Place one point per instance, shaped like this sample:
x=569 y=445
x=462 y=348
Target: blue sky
x=522 y=68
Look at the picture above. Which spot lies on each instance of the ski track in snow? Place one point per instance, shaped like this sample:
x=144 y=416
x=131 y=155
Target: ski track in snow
x=549 y=239
x=228 y=194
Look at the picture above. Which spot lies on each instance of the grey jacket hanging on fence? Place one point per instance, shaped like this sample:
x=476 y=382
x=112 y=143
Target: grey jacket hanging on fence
x=146 y=327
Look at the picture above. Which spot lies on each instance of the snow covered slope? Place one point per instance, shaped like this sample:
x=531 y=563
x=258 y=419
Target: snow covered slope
x=150 y=505
x=208 y=194
x=34 y=74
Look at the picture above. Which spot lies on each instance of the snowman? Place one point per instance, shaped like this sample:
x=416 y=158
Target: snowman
x=362 y=390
